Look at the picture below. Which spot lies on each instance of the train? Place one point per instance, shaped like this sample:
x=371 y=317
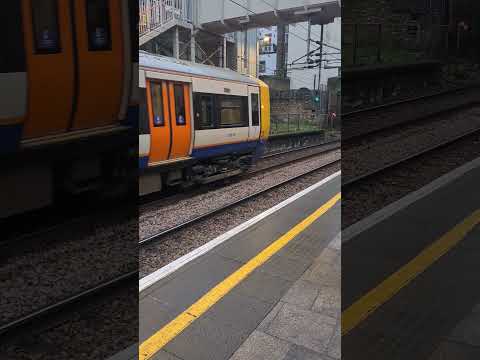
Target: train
x=69 y=85
x=197 y=123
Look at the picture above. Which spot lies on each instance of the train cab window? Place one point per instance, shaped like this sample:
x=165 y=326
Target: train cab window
x=179 y=105
x=45 y=26
x=204 y=112
x=157 y=104
x=232 y=111
x=98 y=25
x=255 y=112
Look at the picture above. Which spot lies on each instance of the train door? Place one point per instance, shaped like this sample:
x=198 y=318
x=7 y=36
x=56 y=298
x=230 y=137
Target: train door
x=170 y=120
x=159 y=119
x=50 y=70
x=180 y=119
x=254 y=106
x=100 y=62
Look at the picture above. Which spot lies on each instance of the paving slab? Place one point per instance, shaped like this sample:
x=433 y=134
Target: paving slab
x=307 y=317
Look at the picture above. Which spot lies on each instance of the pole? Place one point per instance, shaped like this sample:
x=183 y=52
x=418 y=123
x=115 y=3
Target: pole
x=320 y=64
x=321 y=59
x=308 y=40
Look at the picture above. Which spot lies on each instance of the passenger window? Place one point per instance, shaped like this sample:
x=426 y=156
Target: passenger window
x=231 y=111
x=179 y=104
x=157 y=104
x=45 y=26
x=255 y=112
x=13 y=50
x=143 y=126
x=98 y=25
x=204 y=113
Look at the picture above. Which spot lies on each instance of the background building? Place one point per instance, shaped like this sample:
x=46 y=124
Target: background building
x=298 y=46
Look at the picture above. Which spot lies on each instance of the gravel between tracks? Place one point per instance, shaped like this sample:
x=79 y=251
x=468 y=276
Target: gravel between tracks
x=51 y=267
x=279 y=159
x=369 y=195
x=157 y=254
x=95 y=329
x=390 y=146
x=375 y=119
x=158 y=219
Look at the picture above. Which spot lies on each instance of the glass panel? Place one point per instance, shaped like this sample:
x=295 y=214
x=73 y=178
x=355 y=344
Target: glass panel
x=98 y=25
x=204 y=115
x=143 y=125
x=255 y=113
x=179 y=104
x=231 y=111
x=45 y=26
x=157 y=104
x=13 y=50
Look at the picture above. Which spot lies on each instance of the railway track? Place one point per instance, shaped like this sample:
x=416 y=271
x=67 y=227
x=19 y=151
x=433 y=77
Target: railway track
x=373 y=120
x=169 y=231
x=152 y=199
x=64 y=305
x=348 y=181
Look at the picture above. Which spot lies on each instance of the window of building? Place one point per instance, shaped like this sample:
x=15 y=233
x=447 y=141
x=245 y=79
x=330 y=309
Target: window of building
x=45 y=26
x=98 y=25
x=262 y=66
x=157 y=104
x=255 y=110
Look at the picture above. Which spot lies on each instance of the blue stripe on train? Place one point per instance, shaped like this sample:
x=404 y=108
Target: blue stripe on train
x=225 y=149
x=10 y=136
x=143 y=162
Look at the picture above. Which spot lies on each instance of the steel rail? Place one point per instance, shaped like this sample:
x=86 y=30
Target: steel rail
x=409 y=157
x=64 y=304
x=162 y=234
x=244 y=176
x=390 y=106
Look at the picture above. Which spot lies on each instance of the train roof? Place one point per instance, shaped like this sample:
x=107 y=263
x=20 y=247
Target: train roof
x=165 y=63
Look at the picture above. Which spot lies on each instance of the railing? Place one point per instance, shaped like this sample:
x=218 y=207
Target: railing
x=156 y=13
x=365 y=44
x=295 y=123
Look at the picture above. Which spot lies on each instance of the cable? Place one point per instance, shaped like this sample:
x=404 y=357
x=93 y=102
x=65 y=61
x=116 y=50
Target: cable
x=254 y=13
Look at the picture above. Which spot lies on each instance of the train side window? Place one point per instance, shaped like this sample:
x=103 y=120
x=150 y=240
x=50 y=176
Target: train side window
x=13 y=50
x=157 y=104
x=232 y=111
x=143 y=126
x=98 y=25
x=204 y=112
x=45 y=26
x=179 y=104
x=255 y=112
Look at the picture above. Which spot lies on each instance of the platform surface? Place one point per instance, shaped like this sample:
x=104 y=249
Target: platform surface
x=431 y=251
x=306 y=270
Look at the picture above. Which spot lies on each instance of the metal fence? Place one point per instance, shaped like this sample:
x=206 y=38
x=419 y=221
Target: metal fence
x=296 y=123
x=156 y=13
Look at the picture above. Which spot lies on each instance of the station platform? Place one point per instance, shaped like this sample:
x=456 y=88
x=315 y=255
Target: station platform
x=410 y=275
x=270 y=290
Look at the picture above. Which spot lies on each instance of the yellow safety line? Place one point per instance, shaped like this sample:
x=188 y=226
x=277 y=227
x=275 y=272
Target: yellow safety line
x=376 y=297
x=158 y=340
